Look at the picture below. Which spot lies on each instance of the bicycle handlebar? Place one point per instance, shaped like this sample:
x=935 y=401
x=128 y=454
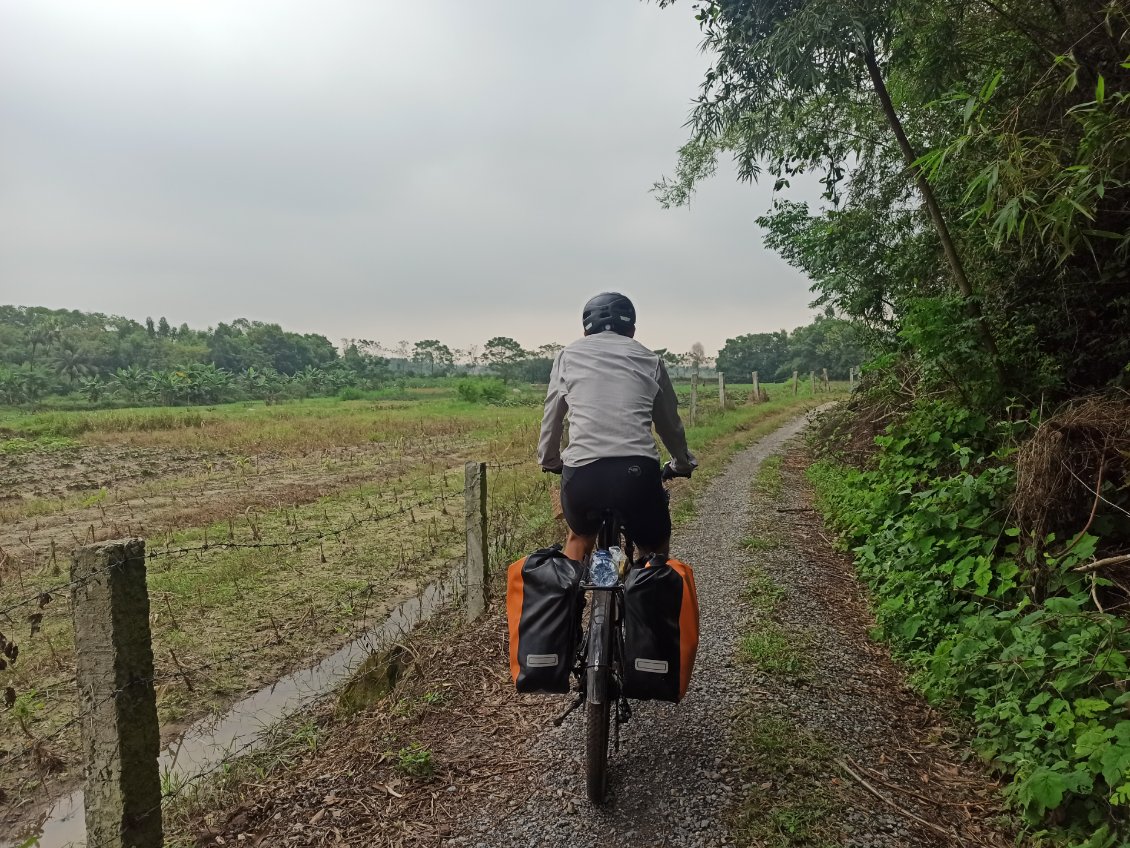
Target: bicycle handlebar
x=669 y=473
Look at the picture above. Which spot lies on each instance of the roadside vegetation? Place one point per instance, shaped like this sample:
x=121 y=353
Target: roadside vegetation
x=976 y=165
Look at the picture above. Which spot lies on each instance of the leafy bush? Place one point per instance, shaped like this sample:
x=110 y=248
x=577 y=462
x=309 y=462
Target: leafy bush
x=350 y=393
x=1043 y=683
x=481 y=390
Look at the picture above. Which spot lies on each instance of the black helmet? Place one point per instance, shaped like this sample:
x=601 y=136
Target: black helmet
x=609 y=311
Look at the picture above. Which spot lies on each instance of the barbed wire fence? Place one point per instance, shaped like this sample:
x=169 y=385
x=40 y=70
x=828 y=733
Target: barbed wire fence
x=422 y=536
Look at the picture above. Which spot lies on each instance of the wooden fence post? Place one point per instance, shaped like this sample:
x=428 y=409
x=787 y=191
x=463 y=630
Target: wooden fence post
x=756 y=388
x=851 y=377
x=796 y=383
x=114 y=671
x=722 y=390
x=694 y=396
x=475 y=511
x=824 y=379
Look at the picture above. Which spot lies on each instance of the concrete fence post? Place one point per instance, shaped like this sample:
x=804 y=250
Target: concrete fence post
x=812 y=380
x=475 y=511
x=114 y=672
x=796 y=383
x=756 y=388
x=824 y=379
x=722 y=390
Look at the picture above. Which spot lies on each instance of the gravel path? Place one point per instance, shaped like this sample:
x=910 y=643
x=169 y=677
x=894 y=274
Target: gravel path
x=684 y=775
x=669 y=784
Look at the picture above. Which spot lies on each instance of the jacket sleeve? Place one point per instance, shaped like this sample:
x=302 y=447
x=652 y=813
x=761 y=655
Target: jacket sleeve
x=553 y=419
x=665 y=415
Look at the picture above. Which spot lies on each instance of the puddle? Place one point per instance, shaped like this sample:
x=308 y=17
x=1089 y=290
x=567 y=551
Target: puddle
x=244 y=727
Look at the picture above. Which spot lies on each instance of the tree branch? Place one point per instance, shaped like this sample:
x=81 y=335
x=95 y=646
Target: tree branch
x=1087 y=568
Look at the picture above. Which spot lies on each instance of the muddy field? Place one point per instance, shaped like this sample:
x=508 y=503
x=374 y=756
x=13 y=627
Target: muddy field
x=273 y=539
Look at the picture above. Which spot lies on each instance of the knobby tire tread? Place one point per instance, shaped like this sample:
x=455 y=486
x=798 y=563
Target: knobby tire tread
x=597 y=715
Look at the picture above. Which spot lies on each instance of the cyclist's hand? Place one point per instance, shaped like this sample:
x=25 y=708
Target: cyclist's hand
x=669 y=473
x=552 y=470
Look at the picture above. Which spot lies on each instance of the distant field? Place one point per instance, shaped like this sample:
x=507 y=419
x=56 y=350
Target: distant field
x=387 y=474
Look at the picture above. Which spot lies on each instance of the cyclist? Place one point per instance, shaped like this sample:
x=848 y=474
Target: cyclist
x=613 y=389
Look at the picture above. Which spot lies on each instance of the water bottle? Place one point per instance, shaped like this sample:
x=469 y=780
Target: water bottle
x=603 y=569
x=619 y=560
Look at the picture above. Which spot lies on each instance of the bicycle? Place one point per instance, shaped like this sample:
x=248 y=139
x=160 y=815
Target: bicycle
x=600 y=658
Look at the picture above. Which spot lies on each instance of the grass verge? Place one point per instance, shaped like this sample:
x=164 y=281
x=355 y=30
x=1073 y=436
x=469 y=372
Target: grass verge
x=775 y=651
x=789 y=803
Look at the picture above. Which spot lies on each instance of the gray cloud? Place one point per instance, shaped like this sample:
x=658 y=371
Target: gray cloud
x=367 y=168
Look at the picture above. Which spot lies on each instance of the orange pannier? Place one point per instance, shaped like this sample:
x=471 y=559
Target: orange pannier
x=543 y=596
x=660 y=630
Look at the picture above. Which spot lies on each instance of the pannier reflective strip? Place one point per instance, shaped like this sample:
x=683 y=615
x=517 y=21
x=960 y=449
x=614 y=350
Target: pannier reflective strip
x=542 y=660
x=653 y=666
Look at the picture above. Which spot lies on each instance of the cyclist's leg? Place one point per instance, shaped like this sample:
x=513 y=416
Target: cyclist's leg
x=580 y=487
x=648 y=515
x=577 y=546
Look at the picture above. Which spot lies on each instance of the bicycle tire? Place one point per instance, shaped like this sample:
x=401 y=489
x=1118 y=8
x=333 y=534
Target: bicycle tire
x=598 y=701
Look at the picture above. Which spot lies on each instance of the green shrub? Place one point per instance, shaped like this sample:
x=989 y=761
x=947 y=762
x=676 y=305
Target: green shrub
x=1044 y=684
x=350 y=393
x=481 y=390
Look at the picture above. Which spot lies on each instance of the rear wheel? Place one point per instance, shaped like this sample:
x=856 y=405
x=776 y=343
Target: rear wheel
x=598 y=699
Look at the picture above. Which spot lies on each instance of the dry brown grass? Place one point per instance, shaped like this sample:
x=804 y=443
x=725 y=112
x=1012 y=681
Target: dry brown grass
x=1062 y=470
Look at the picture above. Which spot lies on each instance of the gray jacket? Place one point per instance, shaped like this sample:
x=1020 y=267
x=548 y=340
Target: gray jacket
x=613 y=389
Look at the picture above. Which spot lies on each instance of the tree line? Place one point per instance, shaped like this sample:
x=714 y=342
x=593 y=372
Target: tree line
x=109 y=359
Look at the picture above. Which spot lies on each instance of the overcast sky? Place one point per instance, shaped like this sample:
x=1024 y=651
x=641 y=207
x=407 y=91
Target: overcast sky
x=369 y=168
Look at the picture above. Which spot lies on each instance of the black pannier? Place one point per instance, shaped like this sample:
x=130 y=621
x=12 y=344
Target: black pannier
x=660 y=630
x=543 y=592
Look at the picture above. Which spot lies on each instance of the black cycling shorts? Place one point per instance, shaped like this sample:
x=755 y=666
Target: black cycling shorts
x=632 y=486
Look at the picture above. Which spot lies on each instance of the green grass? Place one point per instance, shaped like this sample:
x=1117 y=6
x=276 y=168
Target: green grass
x=775 y=651
x=763 y=593
x=768 y=479
x=758 y=543
x=791 y=804
x=415 y=761
x=37 y=444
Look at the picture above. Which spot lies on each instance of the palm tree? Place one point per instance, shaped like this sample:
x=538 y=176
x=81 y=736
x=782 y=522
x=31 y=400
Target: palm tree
x=70 y=362
x=11 y=387
x=43 y=333
x=310 y=380
x=266 y=383
x=214 y=382
x=34 y=382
